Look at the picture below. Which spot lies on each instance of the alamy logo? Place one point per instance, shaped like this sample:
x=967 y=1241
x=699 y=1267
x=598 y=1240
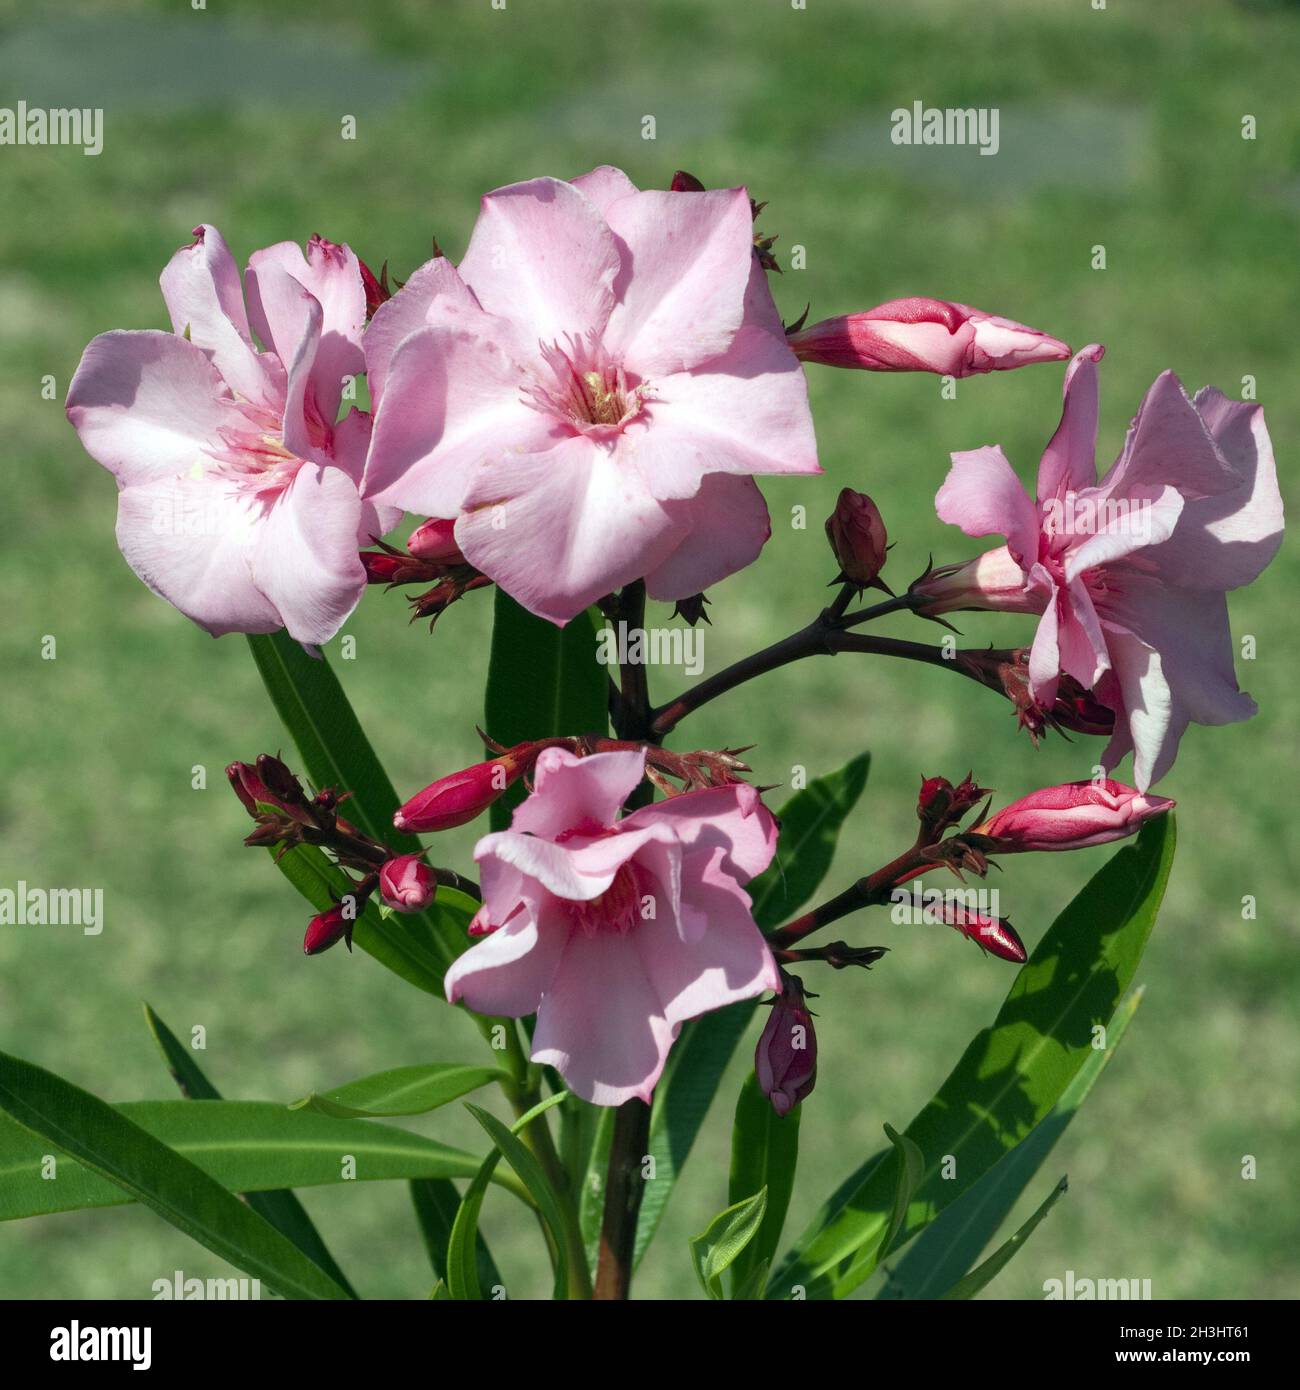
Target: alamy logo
x=1102 y=1290
x=179 y=1288
x=915 y=905
x=52 y=907
x=77 y=125
x=77 y=1343
x=1077 y=515
x=656 y=646
x=929 y=125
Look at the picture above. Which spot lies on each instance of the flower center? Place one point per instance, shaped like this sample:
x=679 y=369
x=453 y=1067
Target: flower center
x=583 y=389
x=617 y=909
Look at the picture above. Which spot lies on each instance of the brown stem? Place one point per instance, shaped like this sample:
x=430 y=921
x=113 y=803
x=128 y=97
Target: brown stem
x=826 y=635
x=866 y=892
x=624 y=1186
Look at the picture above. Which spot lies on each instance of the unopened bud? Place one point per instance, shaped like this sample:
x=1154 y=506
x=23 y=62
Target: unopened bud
x=407 y=883
x=435 y=540
x=785 y=1060
x=1074 y=815
x=856 y=532
x=459 y=798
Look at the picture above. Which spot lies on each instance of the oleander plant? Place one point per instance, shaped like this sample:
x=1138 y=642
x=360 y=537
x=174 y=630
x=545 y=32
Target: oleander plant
x=577 y=416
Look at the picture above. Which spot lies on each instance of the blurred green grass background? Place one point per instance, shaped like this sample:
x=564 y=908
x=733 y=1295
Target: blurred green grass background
x=1120 y=127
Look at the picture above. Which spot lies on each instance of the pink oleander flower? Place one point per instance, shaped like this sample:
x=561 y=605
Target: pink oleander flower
x=1072 y=816
x=589 y=393
x=1130 y=573
x=925 y=335
x=615 y=932
x=238 y=498
x=407 y=883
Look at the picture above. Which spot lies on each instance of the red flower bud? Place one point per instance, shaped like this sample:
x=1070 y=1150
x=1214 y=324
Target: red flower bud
x=785 y=1060
x=940 y=805
x=383 y=568
x=458 y=798
x=327 y=929
x=856 y=532
x=435 y=540
x=995 y=934
x=686 y=183
x=249 y=787
x=407 y=883
x=377 y=291
x=1072 y=816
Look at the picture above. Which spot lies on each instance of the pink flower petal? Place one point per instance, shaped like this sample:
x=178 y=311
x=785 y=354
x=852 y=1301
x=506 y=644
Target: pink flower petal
x=604 y=186
x=1069 y=461
x=601 y=1023
x=452 y=410
x=568 y=790
x=560 y=529
x=304 y=556
x=204 y=298
x=508 y=972
x=983 y=496
x=686 y=265
x=188 y=539
x=725 y=526
x=541 y=254
x=147 y=405
x=436 y=282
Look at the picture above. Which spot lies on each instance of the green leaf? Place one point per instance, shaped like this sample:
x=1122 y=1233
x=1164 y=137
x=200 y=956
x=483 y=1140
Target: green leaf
x=336 y=753
x=993 y=1266
x=436 y=1203
x=334 y=749
x=530 y=1173
x=1010 y=1076
x=401 y=1091
x=543 y=681
x=911 y=1169
x=716 y=1247
x=810 y=829
x=282 y=1209
x=245 y=1145
x=54 y=1112
x=462 y=1263
x=810 y=825
x=764 y=1154
x=951 y=1244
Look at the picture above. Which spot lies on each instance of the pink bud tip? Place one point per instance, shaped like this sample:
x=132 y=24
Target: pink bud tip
x=407 y=883
x=435 y=540
x=1071 y=816
x=327 y=929
x=925 y=335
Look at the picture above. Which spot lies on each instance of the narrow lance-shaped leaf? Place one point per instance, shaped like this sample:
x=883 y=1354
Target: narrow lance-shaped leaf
x=282 y=1209
x=400 y=1091
x=1010 y=1076
x=436 y=1202
x=764 y=1154
x=952 y=1243
x=244 y=1145
x=104 y=1141
x=462 y=1276
x=979 y=1278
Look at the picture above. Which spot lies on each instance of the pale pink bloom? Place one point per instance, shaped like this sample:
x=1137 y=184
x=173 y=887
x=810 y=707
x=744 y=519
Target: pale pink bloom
x=615 y=932
x=238 y=498
x=589 y=393
x=1129 y=573
x=925 y=335
x=1074 y=815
